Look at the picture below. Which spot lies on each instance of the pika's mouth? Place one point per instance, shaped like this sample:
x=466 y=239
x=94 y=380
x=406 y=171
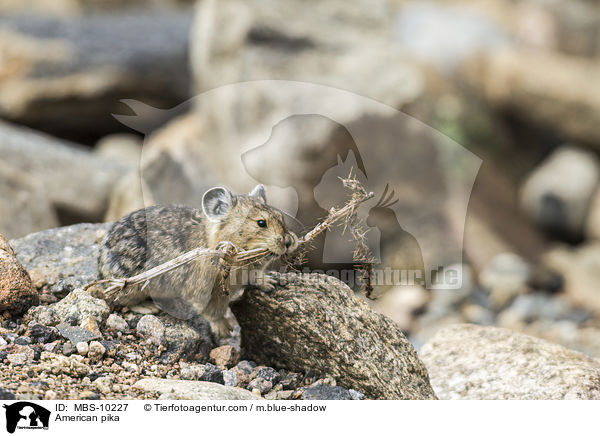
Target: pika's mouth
x=277 y=252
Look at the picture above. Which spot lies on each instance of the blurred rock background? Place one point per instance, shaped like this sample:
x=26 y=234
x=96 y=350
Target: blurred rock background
x=517 y=82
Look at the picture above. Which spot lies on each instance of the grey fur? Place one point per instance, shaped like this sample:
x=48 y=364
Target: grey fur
x=216 y=203
x=259 y=192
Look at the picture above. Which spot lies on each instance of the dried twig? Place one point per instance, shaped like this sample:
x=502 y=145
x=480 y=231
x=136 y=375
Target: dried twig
x=359 y=196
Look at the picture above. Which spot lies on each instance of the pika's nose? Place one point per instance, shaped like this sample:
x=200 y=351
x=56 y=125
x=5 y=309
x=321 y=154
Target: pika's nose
x=289 y=241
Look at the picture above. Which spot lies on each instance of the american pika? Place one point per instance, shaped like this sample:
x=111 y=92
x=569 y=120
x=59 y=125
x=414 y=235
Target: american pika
x=154 y=235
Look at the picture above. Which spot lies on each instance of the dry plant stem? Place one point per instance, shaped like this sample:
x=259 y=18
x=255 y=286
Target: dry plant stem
x=229 y=254
x=334 y=216
x=226 y=251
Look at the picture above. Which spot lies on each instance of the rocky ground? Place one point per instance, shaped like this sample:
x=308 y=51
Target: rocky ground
x=311 y=338
x=48 y=362
x=513 y=83
x=73 y=345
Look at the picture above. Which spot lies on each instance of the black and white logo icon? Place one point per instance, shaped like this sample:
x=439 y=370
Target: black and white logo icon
x=26 y=415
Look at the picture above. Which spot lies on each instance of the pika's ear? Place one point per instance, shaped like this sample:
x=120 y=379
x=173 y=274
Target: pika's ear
x=216 y=203
x=259 y=192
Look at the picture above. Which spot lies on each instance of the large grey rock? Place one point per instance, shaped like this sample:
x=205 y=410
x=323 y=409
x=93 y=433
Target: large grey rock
x=64 y=258
x=78 y=7
x=448 y=33
x=557 y=195
x=570 y=28
x=76 y=182
x=24 y=204
x=546 y=89
x=66 y=75
x=580 y=268
x=314 y=322
x=490 y=363
x=193 y=390
x=267 y=39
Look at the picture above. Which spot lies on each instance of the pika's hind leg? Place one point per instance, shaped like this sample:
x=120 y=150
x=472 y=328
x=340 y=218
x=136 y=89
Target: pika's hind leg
x=131 y=296
x=215 y=311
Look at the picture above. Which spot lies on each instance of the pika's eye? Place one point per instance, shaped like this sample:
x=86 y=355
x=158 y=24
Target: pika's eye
x=261 y=223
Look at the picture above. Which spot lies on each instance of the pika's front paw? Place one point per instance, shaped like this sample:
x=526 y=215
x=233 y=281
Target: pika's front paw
x=266 y=283
x=221 y=328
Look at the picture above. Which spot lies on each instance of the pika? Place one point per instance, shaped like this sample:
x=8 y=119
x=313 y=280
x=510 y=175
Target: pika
x=149 y=237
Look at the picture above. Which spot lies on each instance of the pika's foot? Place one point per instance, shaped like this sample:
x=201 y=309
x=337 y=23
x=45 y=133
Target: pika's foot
x=221 y=328
x=145 y=308
x=265 y=282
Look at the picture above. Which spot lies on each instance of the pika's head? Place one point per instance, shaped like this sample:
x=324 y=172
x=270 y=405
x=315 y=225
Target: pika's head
x=247 y=221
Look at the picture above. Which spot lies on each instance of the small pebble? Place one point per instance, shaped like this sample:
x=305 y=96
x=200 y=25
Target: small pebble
x=261 y=384
x=151 y=328
x=230 y=378
x=82 y=348
x=115 y=322
x=23 y=340
x=68 y=348
x=246 y=365
x=326 y=392
x=269 y=374
x=104 y=384
x=212 y=374
x=17 y=358
x=42 y=334
x=225 y=356
x=355 y=395
x=96 y=350
x=51 y=347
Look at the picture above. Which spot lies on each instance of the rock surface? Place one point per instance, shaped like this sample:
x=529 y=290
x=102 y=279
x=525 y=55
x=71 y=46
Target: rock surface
x=225 y=356
x=78 y=306
x=56 y=364
x=77 y=183
x=85 y=65
x=24 y=204
x=76 y=334
x=490 y=363
x=191 y=339
x=315 y=322
x=558 y=193
x=151 y=328
x=64 y=258
x=557 y=92
x=580 y=268
x=193 y=390
x=17 y=293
